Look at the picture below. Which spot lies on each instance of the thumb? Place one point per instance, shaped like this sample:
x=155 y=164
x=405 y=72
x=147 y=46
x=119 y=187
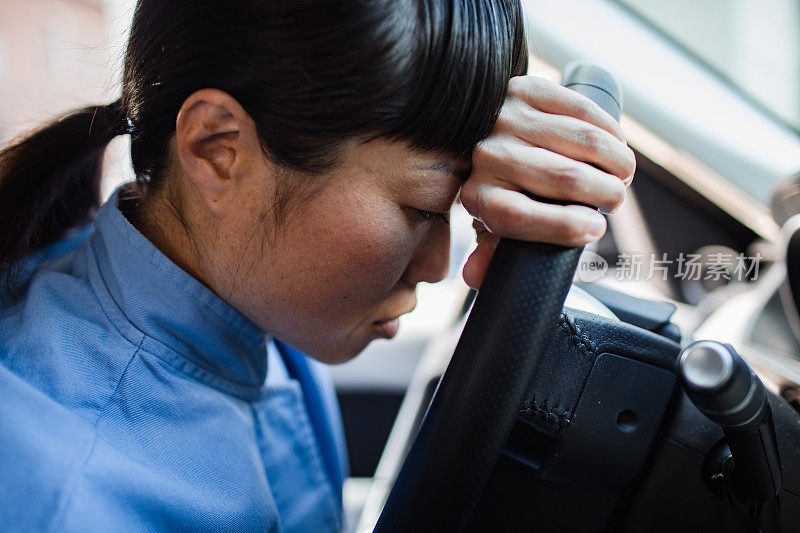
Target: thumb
x=478 y=262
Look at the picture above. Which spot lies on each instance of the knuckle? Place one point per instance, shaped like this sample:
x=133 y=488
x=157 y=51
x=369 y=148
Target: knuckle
x=484 y=154
x=504 y=120
x=492 y=153
x=527 y=115
x=517 y=85
x=589 y=138
x=571 y=180
x=515 y=118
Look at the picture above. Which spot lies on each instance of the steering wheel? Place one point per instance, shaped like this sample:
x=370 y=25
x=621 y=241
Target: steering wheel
x=479 y=396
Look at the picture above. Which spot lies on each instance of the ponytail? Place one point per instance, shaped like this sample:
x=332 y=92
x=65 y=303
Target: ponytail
x=50 y=179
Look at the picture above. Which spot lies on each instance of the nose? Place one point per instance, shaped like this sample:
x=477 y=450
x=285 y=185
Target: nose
x=431 y=261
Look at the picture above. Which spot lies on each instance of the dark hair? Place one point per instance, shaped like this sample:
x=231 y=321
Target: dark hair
x=311 y=73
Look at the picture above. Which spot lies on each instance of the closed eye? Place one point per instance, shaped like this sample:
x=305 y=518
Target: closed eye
x=433 y=216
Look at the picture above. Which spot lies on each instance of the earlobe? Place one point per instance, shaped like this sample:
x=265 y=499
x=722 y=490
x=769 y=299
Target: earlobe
x=211 y=146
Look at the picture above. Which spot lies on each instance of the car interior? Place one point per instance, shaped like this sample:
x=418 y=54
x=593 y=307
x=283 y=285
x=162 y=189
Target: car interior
x=598 y=400
x=649 y=382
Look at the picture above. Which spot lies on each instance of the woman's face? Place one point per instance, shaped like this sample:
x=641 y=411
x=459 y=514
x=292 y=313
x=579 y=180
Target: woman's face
x=339 y=269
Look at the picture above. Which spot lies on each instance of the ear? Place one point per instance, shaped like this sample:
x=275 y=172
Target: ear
x=218 y=147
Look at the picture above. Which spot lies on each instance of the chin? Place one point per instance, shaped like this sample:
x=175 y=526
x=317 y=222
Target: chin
x=335 y=354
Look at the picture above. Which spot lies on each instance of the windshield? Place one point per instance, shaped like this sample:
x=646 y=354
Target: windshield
x=752 y=44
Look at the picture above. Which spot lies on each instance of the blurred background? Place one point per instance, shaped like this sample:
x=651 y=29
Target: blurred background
x=56 y=55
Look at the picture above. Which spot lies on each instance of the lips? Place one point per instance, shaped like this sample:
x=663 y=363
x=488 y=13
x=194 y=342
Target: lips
x=387 y=328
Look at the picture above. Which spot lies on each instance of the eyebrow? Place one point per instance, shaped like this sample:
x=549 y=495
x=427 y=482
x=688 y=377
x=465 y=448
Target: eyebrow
x=461 y=172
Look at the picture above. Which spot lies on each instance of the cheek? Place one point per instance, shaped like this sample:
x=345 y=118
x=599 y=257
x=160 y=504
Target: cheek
x=353 y=259
x=367 y=255
x=382 y=260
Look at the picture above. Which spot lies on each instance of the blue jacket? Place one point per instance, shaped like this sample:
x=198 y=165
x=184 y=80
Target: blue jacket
x=132 y=398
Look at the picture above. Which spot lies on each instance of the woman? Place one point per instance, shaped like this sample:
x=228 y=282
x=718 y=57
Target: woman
x=295 y=164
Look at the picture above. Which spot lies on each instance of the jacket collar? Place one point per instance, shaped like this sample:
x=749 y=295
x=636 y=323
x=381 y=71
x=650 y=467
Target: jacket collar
x=166 y=304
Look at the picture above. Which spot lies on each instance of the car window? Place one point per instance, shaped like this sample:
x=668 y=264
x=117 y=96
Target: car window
x=752 y=44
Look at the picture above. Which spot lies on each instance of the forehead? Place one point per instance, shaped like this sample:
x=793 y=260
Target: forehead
x=384 y=156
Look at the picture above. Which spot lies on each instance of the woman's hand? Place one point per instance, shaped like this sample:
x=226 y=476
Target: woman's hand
x=543 y=143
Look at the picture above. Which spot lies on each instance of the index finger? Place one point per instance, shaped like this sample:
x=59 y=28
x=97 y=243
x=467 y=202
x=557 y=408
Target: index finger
x=550 y=97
